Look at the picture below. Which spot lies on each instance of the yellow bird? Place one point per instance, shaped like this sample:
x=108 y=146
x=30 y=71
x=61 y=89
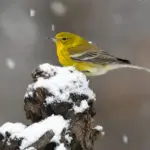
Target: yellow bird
x=73 y=50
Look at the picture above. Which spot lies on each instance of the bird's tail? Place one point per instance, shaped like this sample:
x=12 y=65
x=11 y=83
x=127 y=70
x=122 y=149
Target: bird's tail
x=130 y=66
x=123 y=63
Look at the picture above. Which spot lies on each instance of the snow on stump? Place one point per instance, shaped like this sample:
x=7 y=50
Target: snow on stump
x=59 y=103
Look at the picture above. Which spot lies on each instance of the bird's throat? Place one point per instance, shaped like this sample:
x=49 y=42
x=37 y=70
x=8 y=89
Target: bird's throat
x=64 y=57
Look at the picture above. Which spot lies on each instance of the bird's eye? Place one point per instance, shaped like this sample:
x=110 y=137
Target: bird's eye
x=64 y=39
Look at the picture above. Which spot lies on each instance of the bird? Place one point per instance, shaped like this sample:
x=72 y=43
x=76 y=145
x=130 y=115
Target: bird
x=74 y=50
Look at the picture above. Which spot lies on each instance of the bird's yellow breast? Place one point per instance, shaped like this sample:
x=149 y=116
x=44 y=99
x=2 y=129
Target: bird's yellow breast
x=65 y=60
x=64 y=57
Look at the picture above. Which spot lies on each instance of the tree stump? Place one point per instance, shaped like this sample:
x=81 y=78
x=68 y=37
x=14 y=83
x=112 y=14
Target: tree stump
x=60 y=105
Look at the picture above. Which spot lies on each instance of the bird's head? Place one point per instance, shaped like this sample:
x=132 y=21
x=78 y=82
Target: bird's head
x=68 y=40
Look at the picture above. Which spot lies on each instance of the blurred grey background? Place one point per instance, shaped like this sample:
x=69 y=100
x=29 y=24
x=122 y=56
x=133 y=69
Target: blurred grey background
x=121 y=27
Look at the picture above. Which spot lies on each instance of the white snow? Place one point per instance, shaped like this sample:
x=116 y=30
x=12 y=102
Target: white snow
x=98 y=128
x=29 y=91
x=50 y=100
x=79 y=109
x=125 y=139
x=10 y=63
x=47 y=68
x=63 y=81
x=31 y=148
x=61 y=147
x=36 y=130
x=11 y=128
x=58 y=8
x=68 y=138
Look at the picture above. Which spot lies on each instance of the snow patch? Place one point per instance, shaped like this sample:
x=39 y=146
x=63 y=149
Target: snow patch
x=31 y=148
x=68 y=138
x=36 y=130
x=98 y=128
x=11 y=128
x=62 y=82
x=61 y=147
x=83 y=106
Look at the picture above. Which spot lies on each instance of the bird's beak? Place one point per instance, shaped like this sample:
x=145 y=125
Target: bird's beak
x=54 y=39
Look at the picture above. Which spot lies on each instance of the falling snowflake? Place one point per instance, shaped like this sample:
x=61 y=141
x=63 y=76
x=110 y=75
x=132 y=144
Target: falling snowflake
x=58 y=8
x=103 y=133
x=10 y=63
x=53 y=27
x=125 y=139
x=32 y=12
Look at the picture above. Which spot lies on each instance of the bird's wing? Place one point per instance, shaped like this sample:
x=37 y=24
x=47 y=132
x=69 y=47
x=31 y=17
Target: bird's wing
x=96 y=56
